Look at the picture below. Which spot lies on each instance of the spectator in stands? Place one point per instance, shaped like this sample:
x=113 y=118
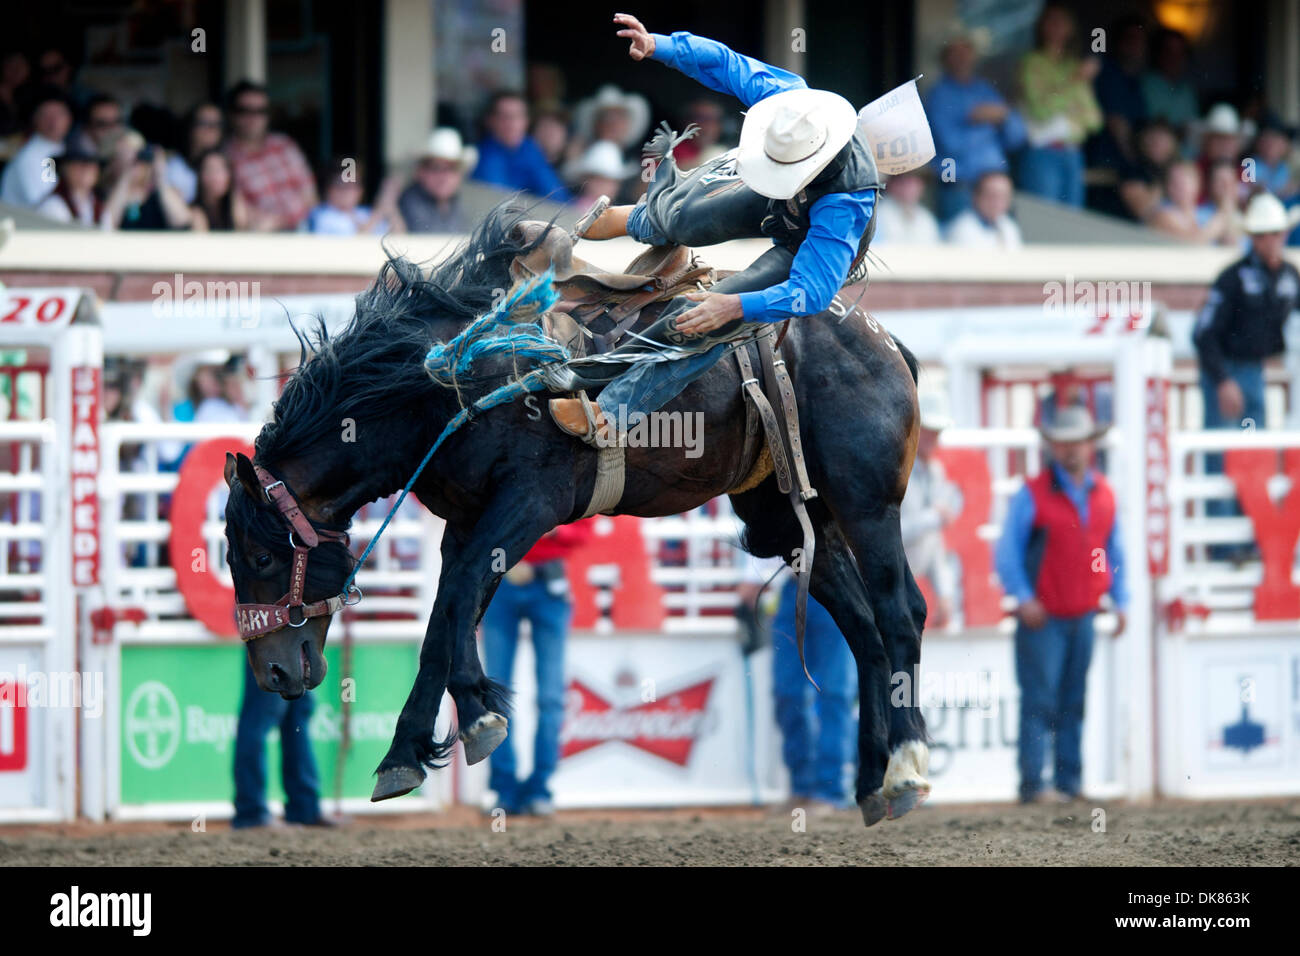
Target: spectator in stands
x=1060 y=110
x=1180 y=216
x=53 y=68
x=599 y=173
x=974 y=128
x=1220 y=142
x=1141 y=187
x=550 y=130
x=988 y=223
x=30 y=175
x=14 y=71
x=270 y=170
x=508 y=156
x=74 y=199
x=1167 y=92
x=1271 y=159
x=1224 y=194
x=1239 y=326
x=227 y=402
x=1118 y=89
x=536 y=590
x=103 y=124
x=707 y=114
x=1060 y=552
x=342 y=213
x=613 y=116
x=202 y=134
x=930 y=505
x=431 y=202
x=139 y=197
x=218 y=205
x=900 y=216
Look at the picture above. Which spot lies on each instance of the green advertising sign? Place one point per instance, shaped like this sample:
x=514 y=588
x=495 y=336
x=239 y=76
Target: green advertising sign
x=180 y=712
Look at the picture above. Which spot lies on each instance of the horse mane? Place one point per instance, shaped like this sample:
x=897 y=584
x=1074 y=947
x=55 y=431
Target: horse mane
x=374 y=367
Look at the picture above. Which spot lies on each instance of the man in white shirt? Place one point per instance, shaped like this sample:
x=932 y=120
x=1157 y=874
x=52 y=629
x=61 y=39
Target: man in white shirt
x=900 y=217
x=30 y=175
x=988 y=223
x=930 y=505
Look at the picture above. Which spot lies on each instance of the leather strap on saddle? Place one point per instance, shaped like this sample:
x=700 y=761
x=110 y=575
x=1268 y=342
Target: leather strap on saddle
x=782 y=442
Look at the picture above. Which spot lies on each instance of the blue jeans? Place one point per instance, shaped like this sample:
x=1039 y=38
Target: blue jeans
x=1052 y=671
x=1249 y=376
x=817 y=730
x=549 y=615
x=1053 y=173
x=259 y=712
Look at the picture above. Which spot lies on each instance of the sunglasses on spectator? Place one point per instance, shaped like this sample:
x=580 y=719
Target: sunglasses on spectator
x=439 y=166
x=208 y=122
x=253 y=110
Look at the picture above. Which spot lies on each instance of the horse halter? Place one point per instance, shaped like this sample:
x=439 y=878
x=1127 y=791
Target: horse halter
x=258 y=620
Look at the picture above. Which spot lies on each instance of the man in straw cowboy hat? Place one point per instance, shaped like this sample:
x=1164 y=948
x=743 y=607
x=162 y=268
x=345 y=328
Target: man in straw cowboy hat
x=431 y=203
x=1240 y=325
x=803 y=176
x=1060 y=552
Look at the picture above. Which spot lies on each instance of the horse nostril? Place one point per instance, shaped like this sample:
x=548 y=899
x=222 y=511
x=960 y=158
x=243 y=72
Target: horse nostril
x=276 y=676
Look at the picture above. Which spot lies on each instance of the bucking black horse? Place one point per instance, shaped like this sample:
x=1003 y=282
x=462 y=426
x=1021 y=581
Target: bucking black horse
x=509 y=476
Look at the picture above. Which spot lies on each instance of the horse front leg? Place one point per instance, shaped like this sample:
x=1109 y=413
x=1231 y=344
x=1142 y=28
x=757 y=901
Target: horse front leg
x=449 y=655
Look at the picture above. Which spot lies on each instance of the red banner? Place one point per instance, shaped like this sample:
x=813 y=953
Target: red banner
x=968 y=469
x=1277 y=526
x=1157 y=476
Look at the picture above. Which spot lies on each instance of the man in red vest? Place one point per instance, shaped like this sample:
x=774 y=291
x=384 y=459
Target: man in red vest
x=1059 y=554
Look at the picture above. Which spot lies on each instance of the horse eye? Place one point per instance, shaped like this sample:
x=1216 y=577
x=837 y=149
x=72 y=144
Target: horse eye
x=263 y=562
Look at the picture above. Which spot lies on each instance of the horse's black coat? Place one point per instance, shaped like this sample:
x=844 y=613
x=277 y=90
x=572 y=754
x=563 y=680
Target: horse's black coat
x=509 y=477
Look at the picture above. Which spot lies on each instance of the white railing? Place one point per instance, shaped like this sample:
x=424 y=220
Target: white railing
x=27 y=481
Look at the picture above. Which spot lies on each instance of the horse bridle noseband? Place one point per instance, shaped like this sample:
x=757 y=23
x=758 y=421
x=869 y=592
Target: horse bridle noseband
x=258 y=620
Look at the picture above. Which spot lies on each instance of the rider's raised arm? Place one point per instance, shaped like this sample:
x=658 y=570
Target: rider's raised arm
x=720 y=68
x=822 y=262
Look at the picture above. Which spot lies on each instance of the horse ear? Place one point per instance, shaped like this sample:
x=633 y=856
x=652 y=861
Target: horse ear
x=247 y=477
x=230 y=470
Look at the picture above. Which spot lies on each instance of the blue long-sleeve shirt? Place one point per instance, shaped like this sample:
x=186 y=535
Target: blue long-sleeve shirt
x=837 y=221
x=523 y=167
x=973 y=147
x=1010 y=558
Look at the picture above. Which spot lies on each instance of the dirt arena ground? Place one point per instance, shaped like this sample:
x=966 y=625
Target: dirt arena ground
x=1257 y=833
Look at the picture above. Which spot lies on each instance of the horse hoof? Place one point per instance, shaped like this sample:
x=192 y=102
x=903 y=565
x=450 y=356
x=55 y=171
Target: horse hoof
x=483 y=736
x=396 y=782
x=873 y=808
x=905 y=786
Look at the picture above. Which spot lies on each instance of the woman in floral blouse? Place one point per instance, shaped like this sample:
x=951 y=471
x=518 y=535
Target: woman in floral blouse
x=1060 y=110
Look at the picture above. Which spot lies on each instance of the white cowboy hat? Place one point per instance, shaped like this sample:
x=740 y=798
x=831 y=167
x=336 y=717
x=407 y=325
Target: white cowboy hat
x=445 y=143
x=1072 y=423
x=934 y=410
x=1222 y=118
x=790 y=137
x=1265 y=213
x=611 y=97
x=603 y=159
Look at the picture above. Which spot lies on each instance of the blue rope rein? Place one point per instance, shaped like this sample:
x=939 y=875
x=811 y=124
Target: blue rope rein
x=513 y=327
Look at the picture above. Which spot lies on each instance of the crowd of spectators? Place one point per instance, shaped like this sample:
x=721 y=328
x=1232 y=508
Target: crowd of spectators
x=1121 y=132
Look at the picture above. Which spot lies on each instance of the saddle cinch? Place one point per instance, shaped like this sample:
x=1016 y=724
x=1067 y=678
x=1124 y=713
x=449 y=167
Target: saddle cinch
x=587 y=292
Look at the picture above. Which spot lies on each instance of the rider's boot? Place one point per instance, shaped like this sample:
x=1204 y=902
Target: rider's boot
x=581 y=418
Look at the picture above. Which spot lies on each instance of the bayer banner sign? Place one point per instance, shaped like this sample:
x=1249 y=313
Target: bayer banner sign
x=180 y=716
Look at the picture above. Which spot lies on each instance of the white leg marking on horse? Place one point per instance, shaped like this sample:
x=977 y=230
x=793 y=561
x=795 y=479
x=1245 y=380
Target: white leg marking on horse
x=905 y=785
